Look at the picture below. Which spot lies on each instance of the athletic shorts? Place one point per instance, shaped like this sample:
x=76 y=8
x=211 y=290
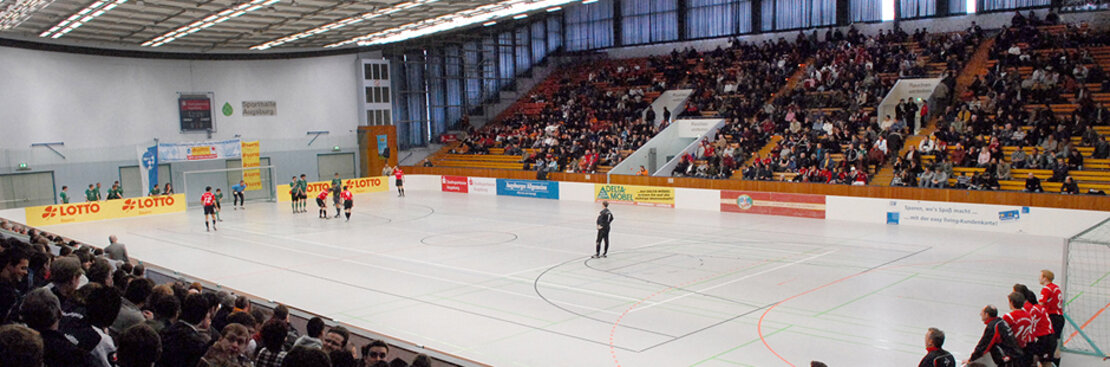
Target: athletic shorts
x=336 y=199
x=209 y=209
x=304 y=196
x=320 y=202
x=400 y=182
x=218 y=205
x=294 y=196
x=347 y=204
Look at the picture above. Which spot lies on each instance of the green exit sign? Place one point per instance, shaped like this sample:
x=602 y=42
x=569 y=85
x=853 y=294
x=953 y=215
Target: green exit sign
x=23 y=166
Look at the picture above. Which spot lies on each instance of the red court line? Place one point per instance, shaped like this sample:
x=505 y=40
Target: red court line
x=759 y=326
x=1074 y=333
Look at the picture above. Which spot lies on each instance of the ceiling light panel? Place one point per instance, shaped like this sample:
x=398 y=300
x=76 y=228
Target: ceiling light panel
x=482 y=14
x=16 y=12
x=209 y=21
x=343 y=23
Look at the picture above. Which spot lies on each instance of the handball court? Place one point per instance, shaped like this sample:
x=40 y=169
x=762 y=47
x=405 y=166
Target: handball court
x=509 y=281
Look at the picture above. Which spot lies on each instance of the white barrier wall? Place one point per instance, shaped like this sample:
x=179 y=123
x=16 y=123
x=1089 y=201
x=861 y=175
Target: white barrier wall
x=674 y=100
x=1051 y=222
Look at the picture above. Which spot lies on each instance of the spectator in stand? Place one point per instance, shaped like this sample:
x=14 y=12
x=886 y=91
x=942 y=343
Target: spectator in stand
x=65 y=275
x=313 y=331
x=1033 y=184
x=42 y=312
x=273 y=337
x=139 y=346
x=15 y=261
x=229 y=350
x=183 y=343
x=20 y=347
x=306 y=357
x=134 y=298
x=375 y=352
x=1069 y=186
x=336 y=340
x=115 y=250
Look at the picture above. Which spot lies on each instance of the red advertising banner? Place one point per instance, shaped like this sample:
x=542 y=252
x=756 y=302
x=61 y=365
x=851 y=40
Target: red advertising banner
x=770 y=203
x=454 y=184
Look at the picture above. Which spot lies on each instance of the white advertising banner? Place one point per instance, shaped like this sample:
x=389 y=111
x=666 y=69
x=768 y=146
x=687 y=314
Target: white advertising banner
x=978 y=217
x=199 y=151
x=482 y=185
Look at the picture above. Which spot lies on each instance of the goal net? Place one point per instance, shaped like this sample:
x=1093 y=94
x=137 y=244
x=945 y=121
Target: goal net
x=1087 y=292
x=224 y=179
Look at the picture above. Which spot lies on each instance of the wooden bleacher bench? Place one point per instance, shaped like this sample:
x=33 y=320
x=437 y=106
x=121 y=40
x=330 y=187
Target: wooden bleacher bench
x=478 y=164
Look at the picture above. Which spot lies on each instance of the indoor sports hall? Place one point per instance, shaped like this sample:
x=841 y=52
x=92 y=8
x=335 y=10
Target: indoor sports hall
x=554 y=183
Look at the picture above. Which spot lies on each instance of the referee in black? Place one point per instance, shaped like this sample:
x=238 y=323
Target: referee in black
x=604 y=219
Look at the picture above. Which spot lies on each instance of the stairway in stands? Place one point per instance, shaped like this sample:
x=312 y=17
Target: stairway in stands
x=766 y=150
x=976 y=66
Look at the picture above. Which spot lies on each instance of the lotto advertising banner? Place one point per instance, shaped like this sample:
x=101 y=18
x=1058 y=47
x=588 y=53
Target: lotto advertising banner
x=102 y=210
x=454 y=184
x=771 y=203
x=199 y=151
x=251 y=152
x=528 y=188
x=636 y=195
x=356 y=185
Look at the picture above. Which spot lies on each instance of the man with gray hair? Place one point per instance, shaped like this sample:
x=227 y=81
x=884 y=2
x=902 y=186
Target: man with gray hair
x=937 y=357
x=43 y=313
x=115 y=250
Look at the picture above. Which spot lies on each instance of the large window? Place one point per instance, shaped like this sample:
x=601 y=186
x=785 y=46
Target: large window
x=866 y=10
x=918 y=8
x=649 y=21
x=994 y=5
x=717 y=18
x=589 y=26
x=795 y=14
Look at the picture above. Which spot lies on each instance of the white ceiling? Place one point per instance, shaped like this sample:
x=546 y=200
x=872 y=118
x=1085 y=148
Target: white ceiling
x=135 y=22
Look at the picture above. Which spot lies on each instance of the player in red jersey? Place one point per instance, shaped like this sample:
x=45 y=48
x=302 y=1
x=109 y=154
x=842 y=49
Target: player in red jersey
x=1052 y=300
x=209 y=202
x=1042 y=327
x=400 y=175
x=348 y=201
x=1021 y=325
x=321 y=201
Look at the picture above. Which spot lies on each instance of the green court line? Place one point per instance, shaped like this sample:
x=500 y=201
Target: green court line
x=866 y=295
x=826 y=337
x=1100 y=279
x=741 y=346
x=961 y=256
x=1073 y=298
x=733 y=362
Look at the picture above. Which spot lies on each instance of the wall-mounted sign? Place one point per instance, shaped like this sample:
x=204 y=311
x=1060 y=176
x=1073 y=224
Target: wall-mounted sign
x=259 y=108
x=195 y=110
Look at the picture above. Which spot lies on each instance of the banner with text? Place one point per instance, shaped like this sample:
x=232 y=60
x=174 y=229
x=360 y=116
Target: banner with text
x=528 y=188
x=356 y=185
x=454 y=184
x=773 y=203
x=199 y=151
x=636 y=195
x=252 y=177
x=482 y=185
x=102 y=210
x=148 y=167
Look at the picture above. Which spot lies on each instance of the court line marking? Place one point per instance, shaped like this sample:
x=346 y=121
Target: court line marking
x=736 y=280
x=357 y=286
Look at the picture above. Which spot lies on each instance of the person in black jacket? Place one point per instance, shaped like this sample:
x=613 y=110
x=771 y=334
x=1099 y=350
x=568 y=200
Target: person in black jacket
x=42 y=312
x=937 y=357
x=604 y=219
x=182 y=343
x=1033 y=184
x=997 y=339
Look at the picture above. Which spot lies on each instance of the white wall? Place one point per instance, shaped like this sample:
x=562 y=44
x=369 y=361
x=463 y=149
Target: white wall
x=696 y=128
x=102 y=107
x=666 y=142
x=674 y=100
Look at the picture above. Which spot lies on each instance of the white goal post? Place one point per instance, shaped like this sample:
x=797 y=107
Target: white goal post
x=1086 y=287
x=196 y=181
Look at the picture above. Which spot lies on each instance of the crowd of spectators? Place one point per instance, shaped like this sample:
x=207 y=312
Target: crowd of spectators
x=830 y=131
x=587 y=121
x=1009 y=108
x=66 y=304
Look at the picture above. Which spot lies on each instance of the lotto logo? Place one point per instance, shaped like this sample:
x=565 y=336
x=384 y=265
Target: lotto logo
x=70 y=210
x=148 y=203
x=364 y=182
x=317 y=187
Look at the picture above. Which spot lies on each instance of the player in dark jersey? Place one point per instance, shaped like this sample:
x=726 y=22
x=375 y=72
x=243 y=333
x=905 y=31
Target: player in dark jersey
x=219 y=197
x=209 y=202
x=336 y=189
x=302 y=189
x=293 y=193
x=321 y=201
x=348 y=202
